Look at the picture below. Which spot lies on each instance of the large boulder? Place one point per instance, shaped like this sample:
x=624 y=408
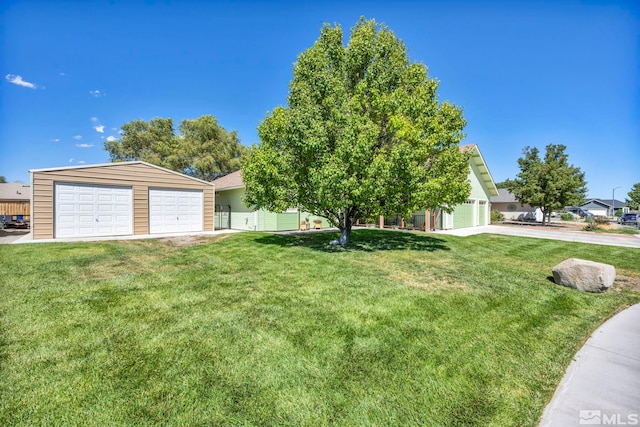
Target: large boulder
x=584 y=275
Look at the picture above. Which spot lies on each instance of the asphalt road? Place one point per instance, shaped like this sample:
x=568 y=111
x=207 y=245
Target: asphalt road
x=539 y=232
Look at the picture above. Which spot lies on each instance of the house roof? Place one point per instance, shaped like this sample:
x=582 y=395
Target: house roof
x=478 y=160
x=116 y=164
x=504 y=196
x=15 y=191
x=229 y=181
x=608 y=203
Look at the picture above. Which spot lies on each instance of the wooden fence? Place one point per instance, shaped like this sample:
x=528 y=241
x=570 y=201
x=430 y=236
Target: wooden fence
x=15 y=208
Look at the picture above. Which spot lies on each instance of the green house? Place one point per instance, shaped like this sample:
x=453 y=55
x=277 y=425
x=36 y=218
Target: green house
x=230 y=211
x=476 y=211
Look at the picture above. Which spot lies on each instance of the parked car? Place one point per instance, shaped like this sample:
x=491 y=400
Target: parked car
x=628 y=218
x=576 y=210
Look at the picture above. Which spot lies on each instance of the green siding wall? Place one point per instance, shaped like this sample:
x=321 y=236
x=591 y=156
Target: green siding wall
x=463 y=215
x=242 y=217
x=482 y=215
x=245 y=218
x=272 y=221
x=288 y=221
x=477 y=188
x=232 y=198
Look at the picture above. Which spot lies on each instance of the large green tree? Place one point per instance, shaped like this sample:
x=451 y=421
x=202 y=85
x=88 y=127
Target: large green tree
x=550 y=183
x=363 y=135
x=203 y=149
x=634 y=197
x=502 y=184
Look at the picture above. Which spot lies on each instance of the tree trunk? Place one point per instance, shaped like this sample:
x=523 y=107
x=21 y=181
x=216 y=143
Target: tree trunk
x=345 y=229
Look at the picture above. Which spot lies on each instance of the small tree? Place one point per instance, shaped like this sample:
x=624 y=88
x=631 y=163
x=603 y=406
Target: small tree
x=549 y=184
x=634 y=197
x=363 y=135
x=204 y=149
x=3 y=180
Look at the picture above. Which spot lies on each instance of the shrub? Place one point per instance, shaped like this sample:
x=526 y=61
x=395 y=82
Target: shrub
x=591 y=226
x=566 y=216
x=496 y=216
x=601 y=219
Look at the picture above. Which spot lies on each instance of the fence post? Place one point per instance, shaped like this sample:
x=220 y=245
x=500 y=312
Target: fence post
x=381 y=224
x=427 y=222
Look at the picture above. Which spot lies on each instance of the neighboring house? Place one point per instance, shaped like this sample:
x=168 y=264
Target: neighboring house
x=118 y=199
x=15 y=202
x=231 y=212
x=505 y=203
x=604 y=207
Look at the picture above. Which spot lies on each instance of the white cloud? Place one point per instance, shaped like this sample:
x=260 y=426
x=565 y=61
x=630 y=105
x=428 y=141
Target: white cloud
x=111 y=138
x=94 y=119
x=71 y=160
x=99 y=128
x=77 y=137
x=62 y=74
x=17 y=80
x=96 y=93
x=120 y=131
x=81 y=162
x=55 y=140
x=84 y=145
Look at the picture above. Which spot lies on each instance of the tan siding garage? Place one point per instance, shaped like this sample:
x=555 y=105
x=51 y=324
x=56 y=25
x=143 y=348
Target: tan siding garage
x=113 y=199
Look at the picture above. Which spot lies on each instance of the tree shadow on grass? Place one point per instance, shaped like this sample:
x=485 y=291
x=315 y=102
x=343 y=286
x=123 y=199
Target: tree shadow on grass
x=364 y=240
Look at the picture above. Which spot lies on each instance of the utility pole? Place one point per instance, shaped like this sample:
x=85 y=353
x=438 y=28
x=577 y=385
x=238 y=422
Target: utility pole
x=613 y=202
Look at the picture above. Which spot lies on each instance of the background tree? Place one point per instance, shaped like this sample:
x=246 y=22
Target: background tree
x=363 y=135
x=204 y=149
x=502 y=184
x=634 y=197
x=550 y=183
x=3 y=180
x=208 y=150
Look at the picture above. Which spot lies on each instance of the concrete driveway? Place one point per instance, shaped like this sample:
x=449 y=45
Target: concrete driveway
x=539 y=232
x=10 y=235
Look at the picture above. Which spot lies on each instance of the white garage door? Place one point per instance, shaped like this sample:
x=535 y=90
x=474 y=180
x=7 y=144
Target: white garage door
x=175 y=211
x=89 y=210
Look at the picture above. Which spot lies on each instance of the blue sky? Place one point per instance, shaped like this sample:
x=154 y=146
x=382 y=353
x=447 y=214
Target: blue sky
x=525 y=72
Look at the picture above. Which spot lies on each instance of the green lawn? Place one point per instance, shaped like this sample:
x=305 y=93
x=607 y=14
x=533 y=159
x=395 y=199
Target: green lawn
x=258 y=329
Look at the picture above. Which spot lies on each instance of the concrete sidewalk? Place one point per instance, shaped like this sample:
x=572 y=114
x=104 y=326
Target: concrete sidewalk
x=624 y=240
x=602 y=384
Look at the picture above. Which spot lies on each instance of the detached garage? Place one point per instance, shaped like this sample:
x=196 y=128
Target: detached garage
x=118 y=199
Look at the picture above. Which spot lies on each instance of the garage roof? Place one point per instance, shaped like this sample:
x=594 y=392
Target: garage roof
x=116 y=164
x=478 y=160
x=15 y=191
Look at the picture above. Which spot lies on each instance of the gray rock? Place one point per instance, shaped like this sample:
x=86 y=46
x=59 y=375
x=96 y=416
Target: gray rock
x=584 y=275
